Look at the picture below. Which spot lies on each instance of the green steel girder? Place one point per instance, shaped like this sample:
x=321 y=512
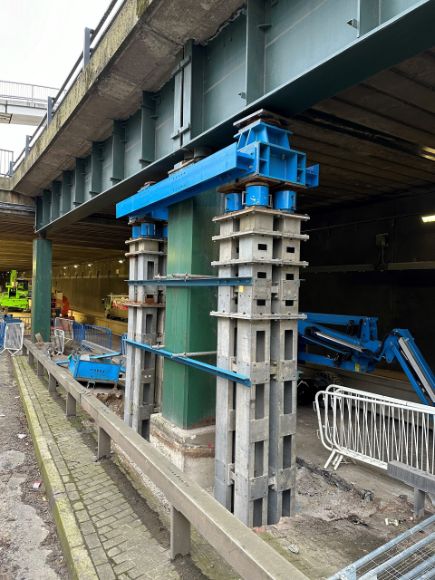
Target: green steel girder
x=253 y=62
x=41 y=288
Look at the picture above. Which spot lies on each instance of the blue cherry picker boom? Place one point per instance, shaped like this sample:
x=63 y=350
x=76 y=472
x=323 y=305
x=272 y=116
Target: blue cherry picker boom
x=352 y=344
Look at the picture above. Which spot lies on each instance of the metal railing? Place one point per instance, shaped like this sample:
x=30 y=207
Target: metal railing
x=91 y=40
x=375 y=429
x=247 y=553
x=6 y=161
x=31 y=95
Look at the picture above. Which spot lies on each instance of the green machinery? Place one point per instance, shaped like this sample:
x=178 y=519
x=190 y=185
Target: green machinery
x=17 y=295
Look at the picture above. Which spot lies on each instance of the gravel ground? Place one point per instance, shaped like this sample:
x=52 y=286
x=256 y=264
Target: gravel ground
x=29 y=546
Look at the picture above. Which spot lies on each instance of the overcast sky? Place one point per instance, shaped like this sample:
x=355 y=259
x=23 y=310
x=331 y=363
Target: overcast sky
x=39 y=42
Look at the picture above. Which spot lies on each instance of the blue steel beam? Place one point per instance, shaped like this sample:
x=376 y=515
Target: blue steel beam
x=191 y=362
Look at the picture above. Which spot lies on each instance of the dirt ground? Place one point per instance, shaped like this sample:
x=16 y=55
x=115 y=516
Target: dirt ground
x=29 y=546
x=340 y=516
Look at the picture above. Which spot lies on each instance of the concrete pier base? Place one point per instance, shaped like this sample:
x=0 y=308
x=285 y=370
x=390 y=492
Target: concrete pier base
x=191 y=450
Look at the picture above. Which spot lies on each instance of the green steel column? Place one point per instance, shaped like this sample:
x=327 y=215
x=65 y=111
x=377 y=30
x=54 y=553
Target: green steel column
x=41 y=288
x=188 y=398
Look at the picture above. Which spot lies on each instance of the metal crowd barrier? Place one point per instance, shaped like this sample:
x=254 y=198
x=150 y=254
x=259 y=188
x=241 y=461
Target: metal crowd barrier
x=247 y=553
x=375 y=429
x=12 y=336
x=409 y=556
x=98 y=335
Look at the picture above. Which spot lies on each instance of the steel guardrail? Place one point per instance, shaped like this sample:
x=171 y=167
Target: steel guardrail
x=244 y=551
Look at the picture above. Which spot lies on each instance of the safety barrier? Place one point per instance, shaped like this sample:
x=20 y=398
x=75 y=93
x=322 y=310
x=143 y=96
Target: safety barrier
x=249 y=555
x=13 y=337
x=98 y=335
x=409 y=556
x=59 y=341
x=66 y=325
x=375 y=429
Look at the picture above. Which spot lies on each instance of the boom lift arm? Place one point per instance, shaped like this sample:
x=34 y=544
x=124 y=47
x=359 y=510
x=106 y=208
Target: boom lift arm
x=352 y=343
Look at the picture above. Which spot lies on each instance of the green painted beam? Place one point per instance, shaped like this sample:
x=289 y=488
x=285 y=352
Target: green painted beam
x=256 y=27
x=148 y=129
x=46 y=206
x=65 y=199
x=41 y=288
x=78 y=195
x=188 y=398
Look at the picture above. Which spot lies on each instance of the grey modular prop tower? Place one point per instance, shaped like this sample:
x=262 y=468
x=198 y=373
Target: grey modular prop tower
x=146 y=311
x=257 y=336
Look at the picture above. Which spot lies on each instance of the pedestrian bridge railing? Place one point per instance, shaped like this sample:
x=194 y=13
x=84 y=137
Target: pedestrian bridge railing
x=375 y=429
x=250 y=556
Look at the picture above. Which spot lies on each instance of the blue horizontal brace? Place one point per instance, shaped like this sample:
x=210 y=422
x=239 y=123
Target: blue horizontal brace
x=193 y=282
x=217 y=169
x=196 y=364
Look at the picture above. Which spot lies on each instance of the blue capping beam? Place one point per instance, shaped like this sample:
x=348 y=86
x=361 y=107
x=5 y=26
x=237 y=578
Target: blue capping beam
x=218 y=169
x=191 y=362
x=262 y=150
x=193 y=282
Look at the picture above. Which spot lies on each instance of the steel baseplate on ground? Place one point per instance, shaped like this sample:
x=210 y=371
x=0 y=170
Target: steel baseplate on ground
x=262 y=151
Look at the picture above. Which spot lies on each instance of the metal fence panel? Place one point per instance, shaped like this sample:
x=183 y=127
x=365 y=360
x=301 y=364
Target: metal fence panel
x=98 y=335
x=13 y=337
x=59 y=341
x=375 y=429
